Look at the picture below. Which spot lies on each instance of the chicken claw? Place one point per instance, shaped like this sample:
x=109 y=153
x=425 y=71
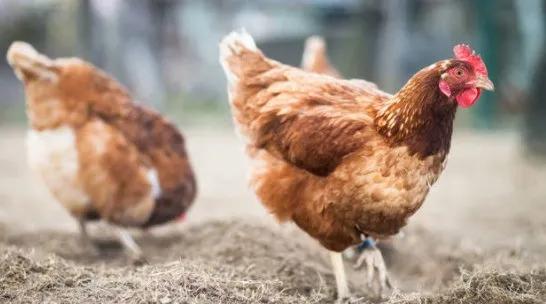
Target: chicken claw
x=374 y=261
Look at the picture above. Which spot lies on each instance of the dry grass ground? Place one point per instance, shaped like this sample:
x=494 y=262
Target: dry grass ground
x=479 y=238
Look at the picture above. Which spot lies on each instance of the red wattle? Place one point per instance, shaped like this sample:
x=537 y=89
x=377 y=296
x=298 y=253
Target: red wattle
x=468 y=97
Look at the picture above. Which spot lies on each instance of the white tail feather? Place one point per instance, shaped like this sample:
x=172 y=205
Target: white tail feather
x=24 y=58
x=232 y=45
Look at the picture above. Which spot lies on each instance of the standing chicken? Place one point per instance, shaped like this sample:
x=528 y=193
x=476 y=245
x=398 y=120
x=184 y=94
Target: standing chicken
x=344 y=161
x=101 y=155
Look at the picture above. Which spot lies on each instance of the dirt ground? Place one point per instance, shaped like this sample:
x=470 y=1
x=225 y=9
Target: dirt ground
x=479 y=238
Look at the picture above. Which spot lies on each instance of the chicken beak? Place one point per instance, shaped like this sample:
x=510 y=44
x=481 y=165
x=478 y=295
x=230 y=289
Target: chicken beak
x=485 y=83
x=28 y=63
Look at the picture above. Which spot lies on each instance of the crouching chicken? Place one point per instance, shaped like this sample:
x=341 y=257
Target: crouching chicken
x=101 y=155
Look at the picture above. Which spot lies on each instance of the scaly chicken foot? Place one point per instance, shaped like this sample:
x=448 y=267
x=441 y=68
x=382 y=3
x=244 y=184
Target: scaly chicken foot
x=375 y=264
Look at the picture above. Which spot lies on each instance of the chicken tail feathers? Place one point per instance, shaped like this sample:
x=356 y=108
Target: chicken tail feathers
x=241 y=59
x=245 y=66
x=233 y=50
x=28 y=63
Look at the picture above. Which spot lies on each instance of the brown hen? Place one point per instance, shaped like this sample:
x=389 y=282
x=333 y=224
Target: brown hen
x=343 y=160
x=100 y=154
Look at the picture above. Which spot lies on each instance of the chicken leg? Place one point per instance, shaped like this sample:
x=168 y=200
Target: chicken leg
x=375 y=264
x=339 y=273
x=130 y=245
x=83 y=230
x=88 y=243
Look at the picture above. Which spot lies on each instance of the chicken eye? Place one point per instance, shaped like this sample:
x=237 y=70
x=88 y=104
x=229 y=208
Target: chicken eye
x=459 y=72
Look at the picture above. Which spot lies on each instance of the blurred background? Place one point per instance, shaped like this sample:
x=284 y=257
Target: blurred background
x=166 y=53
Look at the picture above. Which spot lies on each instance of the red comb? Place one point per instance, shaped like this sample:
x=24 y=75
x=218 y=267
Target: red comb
x=464 y=52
